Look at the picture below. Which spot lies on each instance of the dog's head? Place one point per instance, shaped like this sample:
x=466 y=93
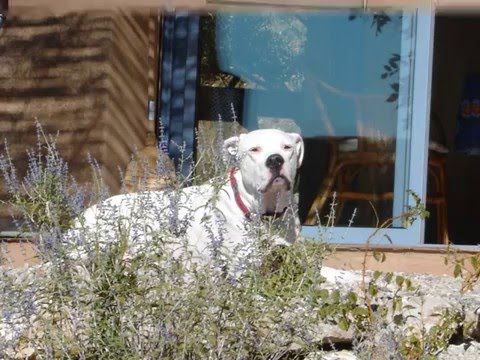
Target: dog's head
x=268 y=160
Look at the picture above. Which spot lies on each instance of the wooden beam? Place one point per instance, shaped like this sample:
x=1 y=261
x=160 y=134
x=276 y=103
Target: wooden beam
x=64 y=6
x=421 y=259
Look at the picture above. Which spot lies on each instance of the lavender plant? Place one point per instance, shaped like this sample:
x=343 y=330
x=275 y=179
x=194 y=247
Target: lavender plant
x=94 y=297
x=108 y=302
x=47 y=197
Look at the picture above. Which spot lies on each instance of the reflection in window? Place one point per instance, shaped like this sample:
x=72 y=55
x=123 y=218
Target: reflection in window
x=334 y=77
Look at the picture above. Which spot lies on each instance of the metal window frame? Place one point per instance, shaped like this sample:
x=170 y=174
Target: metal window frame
x=417 y=150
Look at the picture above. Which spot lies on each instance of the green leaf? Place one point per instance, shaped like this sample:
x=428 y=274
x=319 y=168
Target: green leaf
x=408 y=284
x=388 y=277
x=352 y=297
x=360 y=312
x=323 y=294
x=475 y=262
x=457 y=271
x=398 y=319
x=379 y=256
x=336 y=296
x=399 y=280
x=398 y=304
x=376 y=274
x=343 y=324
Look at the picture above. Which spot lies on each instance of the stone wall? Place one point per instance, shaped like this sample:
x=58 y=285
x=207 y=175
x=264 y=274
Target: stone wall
x=82 y=74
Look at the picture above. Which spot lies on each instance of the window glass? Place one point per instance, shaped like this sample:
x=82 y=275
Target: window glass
x=341 y=79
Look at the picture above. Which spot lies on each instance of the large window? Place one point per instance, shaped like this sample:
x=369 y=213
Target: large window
x=352 y=83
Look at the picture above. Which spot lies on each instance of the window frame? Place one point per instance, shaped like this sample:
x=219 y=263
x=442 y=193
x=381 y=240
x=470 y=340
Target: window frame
x=418 y=145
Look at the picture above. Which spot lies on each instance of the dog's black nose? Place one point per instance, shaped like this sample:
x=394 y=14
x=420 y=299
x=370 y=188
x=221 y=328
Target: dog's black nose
x=274 y=161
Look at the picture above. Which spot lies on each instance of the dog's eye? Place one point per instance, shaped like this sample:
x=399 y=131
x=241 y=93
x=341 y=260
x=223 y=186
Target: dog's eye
x=255 y=149
x=287 y=147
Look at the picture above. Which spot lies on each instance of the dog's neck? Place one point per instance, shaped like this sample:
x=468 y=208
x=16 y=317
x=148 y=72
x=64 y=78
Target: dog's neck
x=269 y=204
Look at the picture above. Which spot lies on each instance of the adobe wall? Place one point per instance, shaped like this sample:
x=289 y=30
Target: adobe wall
x=82 y=74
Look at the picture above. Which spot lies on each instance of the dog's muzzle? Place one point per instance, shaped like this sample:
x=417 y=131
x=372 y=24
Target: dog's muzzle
x=275 y=162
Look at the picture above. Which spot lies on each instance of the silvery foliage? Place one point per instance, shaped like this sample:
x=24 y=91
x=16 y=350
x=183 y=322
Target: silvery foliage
x=75 y=285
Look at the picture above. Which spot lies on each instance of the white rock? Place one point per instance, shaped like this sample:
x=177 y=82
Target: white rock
x=335 y=355
x=334 y=276
x=461 y=352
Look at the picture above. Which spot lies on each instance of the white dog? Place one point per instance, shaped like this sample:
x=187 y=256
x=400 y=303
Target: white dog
x=214 y=219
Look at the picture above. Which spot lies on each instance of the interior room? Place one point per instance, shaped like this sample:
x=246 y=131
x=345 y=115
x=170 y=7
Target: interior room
x=455 y=121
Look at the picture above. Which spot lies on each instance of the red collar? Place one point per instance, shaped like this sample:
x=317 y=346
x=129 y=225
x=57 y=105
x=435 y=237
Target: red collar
x=236 y=194
x=241 y=204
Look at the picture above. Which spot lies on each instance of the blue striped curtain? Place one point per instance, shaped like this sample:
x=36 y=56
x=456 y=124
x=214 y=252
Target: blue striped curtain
x=178 y=71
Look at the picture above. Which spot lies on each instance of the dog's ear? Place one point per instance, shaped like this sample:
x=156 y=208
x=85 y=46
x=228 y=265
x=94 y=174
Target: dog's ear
x=299 y=147
x=230 y=148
